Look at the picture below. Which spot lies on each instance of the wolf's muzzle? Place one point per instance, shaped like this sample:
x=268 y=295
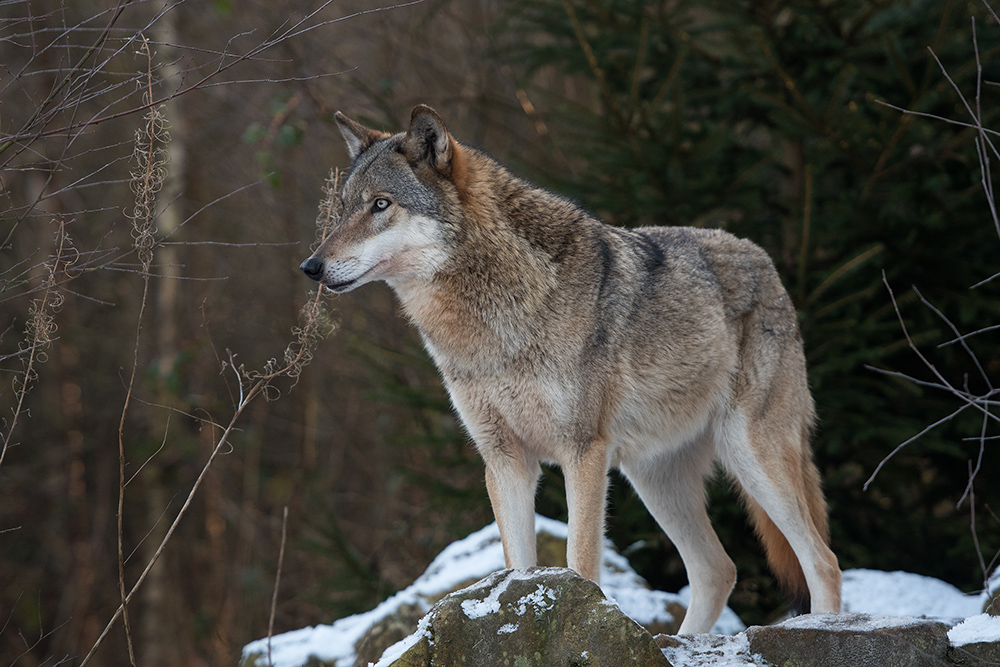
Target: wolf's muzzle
x=312 y=267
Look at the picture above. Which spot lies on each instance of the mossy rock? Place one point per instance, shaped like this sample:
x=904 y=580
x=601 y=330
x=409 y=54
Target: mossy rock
x=547 y=617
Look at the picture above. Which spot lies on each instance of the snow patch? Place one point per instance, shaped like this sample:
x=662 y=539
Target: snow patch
x=905 y=594
x=537 y=600
x=488 y=605
x=464 y=561
x=863 y=623
x=976 y=629
x=712 y=651
x=507 y=628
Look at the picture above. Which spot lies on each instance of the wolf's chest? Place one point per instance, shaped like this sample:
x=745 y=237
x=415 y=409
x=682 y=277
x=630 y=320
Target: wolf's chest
x=541 y=410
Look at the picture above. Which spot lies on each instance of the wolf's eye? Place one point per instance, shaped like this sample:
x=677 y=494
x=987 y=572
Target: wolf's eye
x=380 y=204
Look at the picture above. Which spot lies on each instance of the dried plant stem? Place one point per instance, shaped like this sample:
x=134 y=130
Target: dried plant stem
x=147 y=180
x=277 y=583
x=38 y=333
x=595 y=67
x=121 y=474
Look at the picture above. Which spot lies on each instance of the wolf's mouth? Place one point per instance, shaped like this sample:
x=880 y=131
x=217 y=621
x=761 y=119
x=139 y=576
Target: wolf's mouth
x=340 y=288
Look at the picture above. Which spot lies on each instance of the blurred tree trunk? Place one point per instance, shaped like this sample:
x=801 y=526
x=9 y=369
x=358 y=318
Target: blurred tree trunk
x=162 y=598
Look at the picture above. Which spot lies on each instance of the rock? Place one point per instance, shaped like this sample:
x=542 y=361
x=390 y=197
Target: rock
x=833 y=640
x=992 y=606
x=551 y=549
x=539 y=617
x=991 y=596
x=313 y=661
x=417 y=654
x=977 y=653
x=387 y=632
x=403 y=621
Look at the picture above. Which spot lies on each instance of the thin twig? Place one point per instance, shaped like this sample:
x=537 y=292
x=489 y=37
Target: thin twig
x=960 y=339
x=943 y=119
x=970 y=335
x=973 y=472
x=900 y=446
x=277 y=583
x=972 y=524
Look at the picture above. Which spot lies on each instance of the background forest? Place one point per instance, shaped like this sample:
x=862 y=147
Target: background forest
x=161 y=166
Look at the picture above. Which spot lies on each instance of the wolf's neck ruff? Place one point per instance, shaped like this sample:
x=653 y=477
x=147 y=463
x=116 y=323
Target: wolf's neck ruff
x=561 y=339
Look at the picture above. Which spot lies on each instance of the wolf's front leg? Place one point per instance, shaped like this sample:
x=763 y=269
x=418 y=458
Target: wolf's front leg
x=586 y=488
x=511 y=482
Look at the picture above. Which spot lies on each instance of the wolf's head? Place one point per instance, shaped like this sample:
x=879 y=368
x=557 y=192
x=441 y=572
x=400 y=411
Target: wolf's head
x=396 y=205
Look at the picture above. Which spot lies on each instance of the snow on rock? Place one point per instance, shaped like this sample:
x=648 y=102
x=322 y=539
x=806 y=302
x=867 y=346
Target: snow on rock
x=709 y=651
x=856 y=621
x=905 y=594
x=976 y=629
x=540 y=599
x=488 y=605
x=395 y=651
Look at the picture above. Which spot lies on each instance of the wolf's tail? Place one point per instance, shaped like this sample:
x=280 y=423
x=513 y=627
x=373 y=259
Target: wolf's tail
x=780 y=556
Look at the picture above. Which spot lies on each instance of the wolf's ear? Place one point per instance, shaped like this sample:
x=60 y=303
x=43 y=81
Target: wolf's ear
x=428 y=140
x=357 y=136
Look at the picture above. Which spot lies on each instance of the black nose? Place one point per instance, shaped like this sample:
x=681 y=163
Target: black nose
x=312 y=267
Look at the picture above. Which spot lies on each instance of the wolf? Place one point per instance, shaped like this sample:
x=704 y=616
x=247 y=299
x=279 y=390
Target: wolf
x=658 y=351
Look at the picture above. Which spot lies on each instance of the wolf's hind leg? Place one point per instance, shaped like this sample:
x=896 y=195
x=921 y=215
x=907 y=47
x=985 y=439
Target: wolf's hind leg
x=776 y=470
x=673 y=489
x=511 y=484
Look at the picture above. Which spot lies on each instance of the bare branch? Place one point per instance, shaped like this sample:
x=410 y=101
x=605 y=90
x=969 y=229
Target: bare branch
x=969 y=400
